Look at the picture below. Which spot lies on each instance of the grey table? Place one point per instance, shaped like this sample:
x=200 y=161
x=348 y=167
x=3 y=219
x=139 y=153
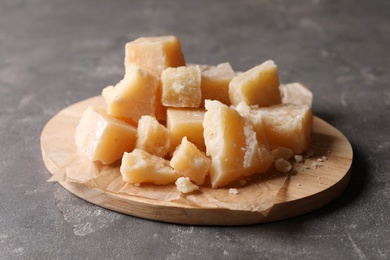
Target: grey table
x=55 y=53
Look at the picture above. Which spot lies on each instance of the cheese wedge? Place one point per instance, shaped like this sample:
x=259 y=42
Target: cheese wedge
x=154 y=54
x=181 y=87
x=140 y=166
x=102 y=137
x=153 y=137
x=285 y=125
x=257 y=86
x=232 y=145
x=215 y=83
x=190 y=162
x=185 y=123
x=132 y=97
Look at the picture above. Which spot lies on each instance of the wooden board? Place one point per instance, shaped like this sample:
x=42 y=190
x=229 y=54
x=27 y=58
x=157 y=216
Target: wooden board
x=313 y=185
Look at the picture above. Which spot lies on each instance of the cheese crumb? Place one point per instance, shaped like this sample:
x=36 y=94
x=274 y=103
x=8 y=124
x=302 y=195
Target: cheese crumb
x=298 y=158
x=184 y=185
x=233 y=191
x=283 y=165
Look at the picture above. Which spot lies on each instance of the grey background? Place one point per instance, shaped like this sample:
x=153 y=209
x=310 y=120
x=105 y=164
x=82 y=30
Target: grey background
x=55 y=53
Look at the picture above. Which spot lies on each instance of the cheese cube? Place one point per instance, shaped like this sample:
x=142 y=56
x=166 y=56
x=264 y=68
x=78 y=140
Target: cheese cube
x=140 y=166
x=181 y=87
x=102 y=137
x=132 y=97
x=232 y=145
x=186 y=122
x=154 y=54
x=257 y=86
x=296 y=93
x=286 y=125
x=190 y=162
x=152 y=136
x=215 y=83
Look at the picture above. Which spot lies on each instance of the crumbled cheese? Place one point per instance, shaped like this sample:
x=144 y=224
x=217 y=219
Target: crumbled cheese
x=298 y=158
x=283 y=165
x=233 y=191
x=184 y=185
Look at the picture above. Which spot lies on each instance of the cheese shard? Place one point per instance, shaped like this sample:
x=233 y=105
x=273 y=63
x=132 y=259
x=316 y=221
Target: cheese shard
x=285 y=125
x=184 y=185
x=257 y=86
x=190 y=162
x=181 y=87
x=215 y=83
x=133 y=97
x=102 y=137
x=186 y=123
x=232 y=145
x=153 y=137
x=296 y=93
x=140 y=167
x=154 y=54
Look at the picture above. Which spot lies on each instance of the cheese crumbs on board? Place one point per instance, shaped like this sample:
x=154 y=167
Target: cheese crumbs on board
x=189 y=124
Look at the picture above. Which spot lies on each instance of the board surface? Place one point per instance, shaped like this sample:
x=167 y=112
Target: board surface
x=322 y=178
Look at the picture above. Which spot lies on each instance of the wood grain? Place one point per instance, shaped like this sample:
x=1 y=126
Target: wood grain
x=312 y=185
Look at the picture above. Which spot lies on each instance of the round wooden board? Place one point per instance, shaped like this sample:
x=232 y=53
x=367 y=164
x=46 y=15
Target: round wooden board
x=308 y=189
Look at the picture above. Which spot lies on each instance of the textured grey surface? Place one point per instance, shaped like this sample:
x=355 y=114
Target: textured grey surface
x=54 y=53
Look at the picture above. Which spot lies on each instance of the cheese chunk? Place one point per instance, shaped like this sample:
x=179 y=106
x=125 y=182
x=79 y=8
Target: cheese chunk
x=132 y=97
x=102 y=137
x=286 y=125
x=190 y=162
x=185 y=122
x=140 y=166
x=255 y=121
x=296 y=93
x=152 y=136
x=184 y=185
x=257 y=86
x=282 y=153
x=232 y=145
x=181 y=87
x=154 y=54
x=215 y=83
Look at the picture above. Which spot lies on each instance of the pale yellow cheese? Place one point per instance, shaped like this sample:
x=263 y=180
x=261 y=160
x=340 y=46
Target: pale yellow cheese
x=256 y=121
x=132 y=97
x=154 y=54
x=215 y=83
x=184 y=185
x=102 y=137
x=181 y=87
x=140 y=166
x=296 y=93
x=186 y=122
x=232 y=145
x=153 y=137
x=257 y=86
x=190 y=162
x=286 y=125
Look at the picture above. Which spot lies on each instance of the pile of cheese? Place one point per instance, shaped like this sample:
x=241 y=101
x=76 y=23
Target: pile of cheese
x=168 y=121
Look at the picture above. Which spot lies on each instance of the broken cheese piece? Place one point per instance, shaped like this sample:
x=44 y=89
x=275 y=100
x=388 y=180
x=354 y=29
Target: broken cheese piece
x=232 y=145
x=102 y=137
x=257 y=86
x=184 y=185
x=132 y=97
x=286 y=125
x=181 y=87
x=186 y=122
x=152 y=136
x=190 y=162
x=140 y=166
x=215 y=83
x=154 y=54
